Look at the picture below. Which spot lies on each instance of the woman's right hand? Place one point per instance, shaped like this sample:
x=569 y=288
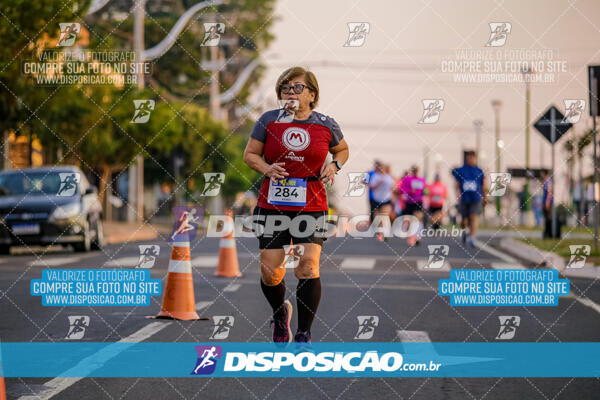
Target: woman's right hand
x=276 y=171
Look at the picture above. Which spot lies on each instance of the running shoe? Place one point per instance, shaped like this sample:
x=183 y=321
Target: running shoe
x=379 y=236
x=303 y=342
x=282 y=332
x=470 y=241
x=464 y=237
x=412 y=240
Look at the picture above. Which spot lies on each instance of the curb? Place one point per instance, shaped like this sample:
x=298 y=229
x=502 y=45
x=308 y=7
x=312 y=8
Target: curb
x=536 y=256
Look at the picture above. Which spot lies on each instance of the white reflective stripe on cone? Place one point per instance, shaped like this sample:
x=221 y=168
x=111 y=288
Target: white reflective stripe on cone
x=184 y=266
x=180 y=244
x=227 y=243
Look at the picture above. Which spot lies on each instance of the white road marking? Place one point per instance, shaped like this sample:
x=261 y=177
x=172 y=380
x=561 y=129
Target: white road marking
x=422 y=263
x=512 y=262
x=205 y=261
x=413 y=336
x=587 y=302
x=54 y=261
x=503 y=265
x=123 y=262
x=416 y=337
x=96 y=360
x=232 y=287
x=358 y=263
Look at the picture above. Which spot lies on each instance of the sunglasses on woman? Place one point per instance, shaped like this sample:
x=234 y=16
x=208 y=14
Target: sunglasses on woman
x=298 y=88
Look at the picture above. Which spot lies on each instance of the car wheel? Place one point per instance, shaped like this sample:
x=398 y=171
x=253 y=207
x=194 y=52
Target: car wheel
x=98 y=241
x=86 y=244
x=4 y=249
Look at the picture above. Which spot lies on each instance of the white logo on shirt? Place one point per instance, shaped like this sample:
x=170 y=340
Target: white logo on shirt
x=296 y=139
x=294 y=157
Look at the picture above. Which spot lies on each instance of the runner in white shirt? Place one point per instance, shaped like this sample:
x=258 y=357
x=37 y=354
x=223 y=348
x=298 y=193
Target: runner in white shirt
x=382 y=186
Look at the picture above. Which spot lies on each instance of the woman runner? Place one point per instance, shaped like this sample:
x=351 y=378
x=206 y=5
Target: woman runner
x=291 y=155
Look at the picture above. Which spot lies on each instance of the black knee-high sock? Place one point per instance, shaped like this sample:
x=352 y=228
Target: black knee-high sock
x=275 y=296
x=308 y=295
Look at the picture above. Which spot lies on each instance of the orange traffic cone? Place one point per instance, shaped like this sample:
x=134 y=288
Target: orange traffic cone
x=228 y=261
x=178 y=299
x=2 y=389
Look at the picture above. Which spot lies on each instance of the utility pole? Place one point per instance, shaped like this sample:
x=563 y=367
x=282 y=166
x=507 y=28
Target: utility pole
x=497 y=106
x=135 y=211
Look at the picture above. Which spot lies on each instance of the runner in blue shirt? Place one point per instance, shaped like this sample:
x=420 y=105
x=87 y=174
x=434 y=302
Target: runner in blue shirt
x=469 y=187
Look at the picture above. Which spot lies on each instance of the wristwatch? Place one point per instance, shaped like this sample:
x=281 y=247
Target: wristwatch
x=338 y=165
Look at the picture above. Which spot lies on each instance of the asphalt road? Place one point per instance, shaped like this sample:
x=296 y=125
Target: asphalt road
x=359 y=277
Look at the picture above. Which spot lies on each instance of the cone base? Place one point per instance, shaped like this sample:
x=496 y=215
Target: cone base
x=182 y=315
x=228 y=275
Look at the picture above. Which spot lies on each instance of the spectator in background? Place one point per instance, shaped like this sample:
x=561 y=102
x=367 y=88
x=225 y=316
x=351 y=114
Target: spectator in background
x=547 y=202
x=522 y=197
x=537 y=209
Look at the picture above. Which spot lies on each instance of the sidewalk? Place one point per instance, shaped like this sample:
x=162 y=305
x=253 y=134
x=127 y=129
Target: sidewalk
x=120 y=232
x=535 y=256
x=516 y=233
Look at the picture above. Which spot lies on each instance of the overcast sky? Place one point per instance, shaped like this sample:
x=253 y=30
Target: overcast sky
x=375 y=91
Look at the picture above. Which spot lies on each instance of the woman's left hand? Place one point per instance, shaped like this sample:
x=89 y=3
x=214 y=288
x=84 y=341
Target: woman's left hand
x=328 y=173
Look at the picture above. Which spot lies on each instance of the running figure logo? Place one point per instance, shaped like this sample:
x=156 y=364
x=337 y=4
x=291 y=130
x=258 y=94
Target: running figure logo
x=437 y=256
x=77 y=325
x=212 y=33
x=574 y=109
x=508 y=327
x=287 y=110
x=357 y=184
x=579 y=254
x=143 y=109
x=187 y=220
x=222 y=326
x=207 y=359
x=499 y=34
x=68 y=183
x=499 y=183
x=148 y=254
x=213 y=182
x=366 y=326
x=68 y=33
x=293 y=253
x=431 y=111
x=358 y=34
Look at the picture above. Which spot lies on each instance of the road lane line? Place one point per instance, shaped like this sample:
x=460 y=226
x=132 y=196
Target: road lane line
x=232 y=287
x=123 y=262
x=413 y=336
x=57 y=385
x=587 y=302
x=514 y=264
x=205 y=261
x=358 y=263
x=54 y=262
x=423 y=262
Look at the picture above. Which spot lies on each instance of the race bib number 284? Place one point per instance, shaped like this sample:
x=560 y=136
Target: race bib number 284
x=288 y=192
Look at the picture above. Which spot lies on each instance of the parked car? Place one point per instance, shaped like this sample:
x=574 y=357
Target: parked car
x=49 y=205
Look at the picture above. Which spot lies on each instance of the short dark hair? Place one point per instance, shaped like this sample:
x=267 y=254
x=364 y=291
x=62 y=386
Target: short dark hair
x=470 y=153
x=295 y=72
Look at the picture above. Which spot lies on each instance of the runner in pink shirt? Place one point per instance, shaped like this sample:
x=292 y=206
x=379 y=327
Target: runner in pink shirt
x=412 y=188
x=437 y=193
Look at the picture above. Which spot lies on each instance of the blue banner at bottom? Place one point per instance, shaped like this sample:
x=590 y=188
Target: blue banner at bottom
x=350 y=359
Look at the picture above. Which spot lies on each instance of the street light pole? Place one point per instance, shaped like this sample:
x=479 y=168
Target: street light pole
x=527 y=71
x=478 y=124
x=497 y=105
